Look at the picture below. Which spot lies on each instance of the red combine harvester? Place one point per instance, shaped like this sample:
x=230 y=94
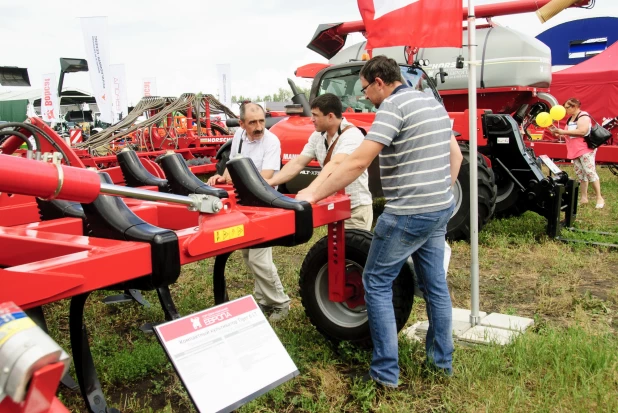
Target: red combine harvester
x=511 y=180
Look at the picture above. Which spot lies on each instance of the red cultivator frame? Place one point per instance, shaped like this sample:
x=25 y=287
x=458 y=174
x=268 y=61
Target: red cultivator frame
x=84 y=230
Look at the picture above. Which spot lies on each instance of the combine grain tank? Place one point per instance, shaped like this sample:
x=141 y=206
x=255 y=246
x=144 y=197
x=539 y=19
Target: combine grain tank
x=508 y=58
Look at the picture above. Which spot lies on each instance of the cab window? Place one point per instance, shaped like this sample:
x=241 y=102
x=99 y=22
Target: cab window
x=345 y=83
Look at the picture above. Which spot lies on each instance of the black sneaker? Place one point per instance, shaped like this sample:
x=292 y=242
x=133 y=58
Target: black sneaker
x=266 y=309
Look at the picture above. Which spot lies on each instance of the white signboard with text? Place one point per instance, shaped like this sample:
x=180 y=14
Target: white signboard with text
x=227 y=355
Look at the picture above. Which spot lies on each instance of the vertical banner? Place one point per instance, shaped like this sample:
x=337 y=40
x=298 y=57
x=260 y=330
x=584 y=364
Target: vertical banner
x=50 y=109
x=120 y=104
x=225 y=84
x=97 y=55
x=150 y=86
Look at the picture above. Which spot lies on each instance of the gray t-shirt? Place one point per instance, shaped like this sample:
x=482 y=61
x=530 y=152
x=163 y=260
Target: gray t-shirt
x=415 y=161
x=348 y=142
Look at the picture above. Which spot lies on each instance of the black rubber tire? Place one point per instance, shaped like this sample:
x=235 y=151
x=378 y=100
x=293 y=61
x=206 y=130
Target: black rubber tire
x=222 y=162
x=458 y=227
x=336 y=321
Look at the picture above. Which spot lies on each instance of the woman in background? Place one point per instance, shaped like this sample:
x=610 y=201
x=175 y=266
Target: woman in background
x=578 y=126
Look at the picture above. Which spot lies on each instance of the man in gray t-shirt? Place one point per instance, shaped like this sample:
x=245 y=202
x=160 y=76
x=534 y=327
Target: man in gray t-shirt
x=419 y=162
x=334 y=139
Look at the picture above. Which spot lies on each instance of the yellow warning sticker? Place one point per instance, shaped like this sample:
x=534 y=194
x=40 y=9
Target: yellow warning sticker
x=9 y=329
x=227 y=234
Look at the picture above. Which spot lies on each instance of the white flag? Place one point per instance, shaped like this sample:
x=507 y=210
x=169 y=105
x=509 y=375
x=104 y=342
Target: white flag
x=150 y=86
x=97 y=55
x=50 y=109
x=119 y=92
x=225 y=84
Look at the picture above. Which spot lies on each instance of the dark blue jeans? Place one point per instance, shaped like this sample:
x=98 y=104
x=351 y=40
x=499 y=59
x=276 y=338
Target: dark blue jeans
x=397 y=237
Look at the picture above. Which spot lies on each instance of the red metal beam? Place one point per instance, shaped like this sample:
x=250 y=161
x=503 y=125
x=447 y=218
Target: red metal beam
x=557 y=150
x=44 y=266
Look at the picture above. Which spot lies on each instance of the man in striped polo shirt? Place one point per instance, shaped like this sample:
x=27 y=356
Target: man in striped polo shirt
x=419 y=162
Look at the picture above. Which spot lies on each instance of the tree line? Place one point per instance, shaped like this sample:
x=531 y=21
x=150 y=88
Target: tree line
x=282 y=95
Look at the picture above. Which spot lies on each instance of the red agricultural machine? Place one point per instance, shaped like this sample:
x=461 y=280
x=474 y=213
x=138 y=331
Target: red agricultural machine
x=511 y=90
x=62 y=226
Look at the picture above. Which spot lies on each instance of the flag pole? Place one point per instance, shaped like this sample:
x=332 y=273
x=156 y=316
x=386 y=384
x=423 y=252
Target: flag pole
x=472 y=104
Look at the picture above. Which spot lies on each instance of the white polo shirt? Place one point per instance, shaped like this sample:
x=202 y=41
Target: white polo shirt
x=264 y=152
x=358 y=191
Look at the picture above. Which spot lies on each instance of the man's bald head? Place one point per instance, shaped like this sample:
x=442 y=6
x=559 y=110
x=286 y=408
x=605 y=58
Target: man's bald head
x=252 y=108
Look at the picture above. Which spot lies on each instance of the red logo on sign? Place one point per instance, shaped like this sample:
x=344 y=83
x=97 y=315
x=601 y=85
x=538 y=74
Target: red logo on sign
x=210 y=317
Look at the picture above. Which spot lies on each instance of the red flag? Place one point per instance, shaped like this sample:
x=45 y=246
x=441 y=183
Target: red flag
x=416 y=23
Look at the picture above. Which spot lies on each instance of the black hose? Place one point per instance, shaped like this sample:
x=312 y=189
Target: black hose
x=25 y=126
x=35 y=130
x=52 y=142
x=19 y=135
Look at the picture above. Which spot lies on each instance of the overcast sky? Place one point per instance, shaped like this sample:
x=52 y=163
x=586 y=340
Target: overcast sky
x=180 y=42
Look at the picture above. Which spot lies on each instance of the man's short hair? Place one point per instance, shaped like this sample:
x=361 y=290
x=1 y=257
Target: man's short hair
x=328 y=103
x=245 y=105
x=383 y=67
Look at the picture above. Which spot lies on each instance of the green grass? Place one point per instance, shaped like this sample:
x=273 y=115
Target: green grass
x=568 y=362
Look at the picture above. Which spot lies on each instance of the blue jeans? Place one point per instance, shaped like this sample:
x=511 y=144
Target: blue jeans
x=395 y=238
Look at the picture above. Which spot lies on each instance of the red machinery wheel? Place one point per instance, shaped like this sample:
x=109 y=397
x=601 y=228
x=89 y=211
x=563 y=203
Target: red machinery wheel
x=348 y=321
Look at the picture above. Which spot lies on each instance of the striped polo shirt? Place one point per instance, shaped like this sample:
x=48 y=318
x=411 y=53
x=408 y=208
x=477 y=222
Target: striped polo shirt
x=415 y=130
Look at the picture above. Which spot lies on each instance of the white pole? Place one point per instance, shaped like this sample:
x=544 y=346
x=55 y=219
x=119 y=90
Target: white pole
x=474 y=235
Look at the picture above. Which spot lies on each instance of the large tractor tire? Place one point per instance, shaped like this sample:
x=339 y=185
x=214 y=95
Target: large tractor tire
x=458 y=227
x=348 y=321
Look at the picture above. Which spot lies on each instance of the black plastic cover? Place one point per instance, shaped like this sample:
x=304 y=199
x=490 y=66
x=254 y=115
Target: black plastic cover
x=252 y=190
x=57 y=209
x=182 y=181
x=109 y=217
x=135 y=174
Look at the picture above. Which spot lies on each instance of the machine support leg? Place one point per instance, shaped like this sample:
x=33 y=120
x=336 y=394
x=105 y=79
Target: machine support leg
x=336 y=262
x=554 y=210
x=87 y=378
x=128 y=296
x=167 y=303
x=169 y=309
x=218 y=279
x=572 y=191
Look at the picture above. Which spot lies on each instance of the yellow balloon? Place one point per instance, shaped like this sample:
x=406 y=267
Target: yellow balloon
x=543 y=119
x=558 y=112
